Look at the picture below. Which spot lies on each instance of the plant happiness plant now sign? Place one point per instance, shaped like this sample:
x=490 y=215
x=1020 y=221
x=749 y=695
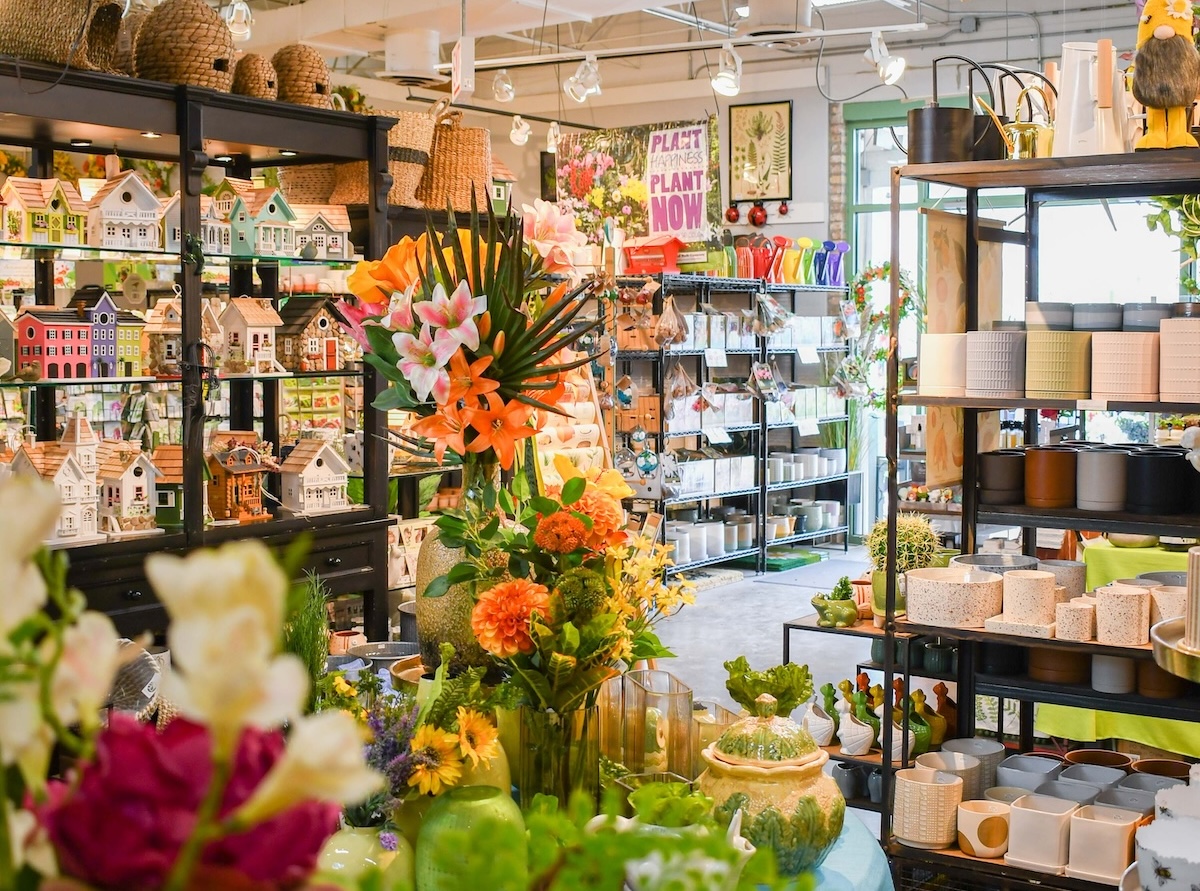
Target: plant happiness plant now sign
x=677 y=164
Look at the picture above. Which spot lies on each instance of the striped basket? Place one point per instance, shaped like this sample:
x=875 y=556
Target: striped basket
x=460 y=166
x=309 y=183
x=47 y=32
x=409 y=144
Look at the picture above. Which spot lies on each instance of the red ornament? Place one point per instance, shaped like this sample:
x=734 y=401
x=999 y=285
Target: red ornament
x=757 y=215
x=783 y=208
x=732 y=214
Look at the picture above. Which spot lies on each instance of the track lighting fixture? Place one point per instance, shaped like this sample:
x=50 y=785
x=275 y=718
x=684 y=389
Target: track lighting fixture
x=742 y=10
x=728 y=79
x=238 y=17
x=552 y=136
x=502 y=87
x=890 y=67
x=519 y=134
x=585 y=81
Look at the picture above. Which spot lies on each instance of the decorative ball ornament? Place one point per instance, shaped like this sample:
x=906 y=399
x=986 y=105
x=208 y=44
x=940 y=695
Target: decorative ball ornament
x=638 y=434
x=783 y=208
x=732 y=214
x=647 y=461
x=757 y=215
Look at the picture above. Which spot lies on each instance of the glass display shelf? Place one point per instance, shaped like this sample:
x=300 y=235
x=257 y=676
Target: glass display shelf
x=85 y=252
x=108 y=381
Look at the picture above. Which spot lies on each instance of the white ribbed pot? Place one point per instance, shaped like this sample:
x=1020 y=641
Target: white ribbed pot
x=1179 y=359
x=1029 y=596
x=1122 y=616
x=996 y=363
x=1125 y=365
x=1100 y=479
x=942 y=369
x=1058 y=364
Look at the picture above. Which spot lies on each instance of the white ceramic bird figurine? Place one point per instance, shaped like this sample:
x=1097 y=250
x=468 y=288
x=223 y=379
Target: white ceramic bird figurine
x=1191 y=442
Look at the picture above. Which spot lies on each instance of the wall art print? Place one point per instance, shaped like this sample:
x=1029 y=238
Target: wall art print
x=760 y=152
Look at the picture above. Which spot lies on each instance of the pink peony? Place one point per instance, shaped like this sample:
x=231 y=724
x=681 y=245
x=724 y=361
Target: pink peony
x=552 y=234
x=123 y=824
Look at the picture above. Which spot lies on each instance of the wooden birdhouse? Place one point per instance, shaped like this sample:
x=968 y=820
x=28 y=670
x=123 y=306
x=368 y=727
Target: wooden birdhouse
x=127 y=482
x=42 y=211
x=250 y=326
x=168 y=495
x=125 y=214
x=314 y=478
x=503 y=180
x=235 y=478
x=162 y=336
x=326 y=227
x=310 y=338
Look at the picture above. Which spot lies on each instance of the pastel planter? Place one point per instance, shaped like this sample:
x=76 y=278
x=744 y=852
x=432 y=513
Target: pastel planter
x=1167 y=602
x=1058 y=364
x=1101 y=846
x=965 y=766
x=1179 y=359
x=1148 y=782
x=1029 y=596
x=1042 y=317
x=1168 y=858
x=996 y=363
x=943 y=365
x=1125 y=365
x=983 y=828
x=1100 y=479
x=1005 y=794
x=1075 y=620
x=1096 y=317
x=819 y=725
x=1027 y=771
x=1092 y=775
x=1136 y=800
x=988 y=752
x=953 y=596
x=1122 y=616
x=1039 y=833
x=1071 y=574
x=1113 y=674
x=925 y=810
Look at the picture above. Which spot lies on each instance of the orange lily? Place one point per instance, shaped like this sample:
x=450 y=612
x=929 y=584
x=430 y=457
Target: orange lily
x=552 y=396
x=375 y=280
x=446 y=429
x=499 y=427
x=467 y=381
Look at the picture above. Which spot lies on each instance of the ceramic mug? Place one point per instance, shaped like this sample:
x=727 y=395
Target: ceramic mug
x=983 y=828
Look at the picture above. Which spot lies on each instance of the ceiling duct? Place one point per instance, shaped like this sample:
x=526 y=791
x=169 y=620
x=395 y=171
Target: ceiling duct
x=411 y=58
x=771 y=17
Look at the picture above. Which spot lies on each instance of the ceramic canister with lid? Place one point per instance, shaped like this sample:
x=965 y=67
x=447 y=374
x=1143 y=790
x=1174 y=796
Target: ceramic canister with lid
x=1050 y=474
x=1100 y=479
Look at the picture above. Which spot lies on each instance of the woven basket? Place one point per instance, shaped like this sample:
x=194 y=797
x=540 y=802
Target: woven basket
x=255 y=76
x=309 y=183
x=185 y=42
x=303 y=76
x=47 y=32
x=460 y=165
x=123 y=56
x=409 y=144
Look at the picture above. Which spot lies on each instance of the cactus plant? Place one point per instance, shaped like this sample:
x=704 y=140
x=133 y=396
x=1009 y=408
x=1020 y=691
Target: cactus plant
x=916 y=544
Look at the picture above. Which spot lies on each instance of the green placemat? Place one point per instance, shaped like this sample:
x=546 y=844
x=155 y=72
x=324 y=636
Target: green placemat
x=780 y=559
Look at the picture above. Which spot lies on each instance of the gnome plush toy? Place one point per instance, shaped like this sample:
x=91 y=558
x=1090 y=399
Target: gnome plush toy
x=1166 y=73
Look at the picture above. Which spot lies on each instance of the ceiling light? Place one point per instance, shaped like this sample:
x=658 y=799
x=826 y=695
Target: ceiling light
x=150 y=134
x=742 y=10
x=519 y=135
x=238 y=17
x=585 y=81
x=890 y=67
x=552 y=135
x=502 y=87
x=728 y=79
x=81 y=143
x=287 y=153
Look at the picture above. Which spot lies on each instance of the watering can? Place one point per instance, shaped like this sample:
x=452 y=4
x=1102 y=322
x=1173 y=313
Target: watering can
x=1029 y=139
x=835 y=273
x=991 y=142
x=1092 y=116
x=807 y=257
x=938 y=133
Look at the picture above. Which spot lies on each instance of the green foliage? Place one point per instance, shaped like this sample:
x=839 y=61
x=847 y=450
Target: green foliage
x=670 y=804
x=842 y=590
x=1179 y=216
x=916 y=544
x=306 y=633
x=790 y=684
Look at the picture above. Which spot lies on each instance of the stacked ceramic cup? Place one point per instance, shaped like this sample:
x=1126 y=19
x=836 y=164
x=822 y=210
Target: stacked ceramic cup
x=996 y=364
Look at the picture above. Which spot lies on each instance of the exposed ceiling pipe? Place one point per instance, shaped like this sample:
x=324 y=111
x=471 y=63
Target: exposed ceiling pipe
x=483 y=109
x=683 y=18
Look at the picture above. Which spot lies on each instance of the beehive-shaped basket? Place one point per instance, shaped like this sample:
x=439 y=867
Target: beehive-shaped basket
x=48 y=32
x=460 y=165
x=255 y=76
x=123 y=56
x=309 y=183
x=303 y=76
x=185 y=42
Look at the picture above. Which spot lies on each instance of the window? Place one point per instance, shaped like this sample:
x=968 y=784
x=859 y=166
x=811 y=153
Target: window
x=51 y=334
x=254 y=342
x=68 y=521
x=234 y=338
x=111 y=230
x=51 y=351
x=241 y=236
x=127 y=232
x=39 y=221
x=37 y=350
x=66 y=350
x=175 y=233
x=67 y=334
x=166 y=498
x=314 y=345
x=25 y=352
x=319 y=240
x=68 y=491
x=29 y=332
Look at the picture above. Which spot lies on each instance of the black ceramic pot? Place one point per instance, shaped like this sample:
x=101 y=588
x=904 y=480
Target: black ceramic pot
x=1158 y=482
x=1002 y=477
x=1001 y=659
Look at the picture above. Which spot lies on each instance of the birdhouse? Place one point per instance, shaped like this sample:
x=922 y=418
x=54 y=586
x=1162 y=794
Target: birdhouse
x=322 y=231
x=125 y=214
x=314 y=478
x=42 y=211
x=127 y=484
x=655 y=254
x=310 y=338
x=235 y=478
x=503 y=180
x=250 y=326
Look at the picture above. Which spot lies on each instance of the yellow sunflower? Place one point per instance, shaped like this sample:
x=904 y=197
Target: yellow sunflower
x=436 y=764
x=477 y=737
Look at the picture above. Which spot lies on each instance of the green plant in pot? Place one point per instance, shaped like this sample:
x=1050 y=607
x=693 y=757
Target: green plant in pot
x=837 y=609
x=916 y=548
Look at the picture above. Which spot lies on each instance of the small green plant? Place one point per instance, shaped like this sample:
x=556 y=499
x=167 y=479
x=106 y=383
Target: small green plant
x=673 y=805
x=916 y=544
x=306 y=634
x=842 y=590
x=790 y=684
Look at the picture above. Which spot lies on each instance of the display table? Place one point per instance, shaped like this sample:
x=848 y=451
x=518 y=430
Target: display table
x=1106 y=563
x=856 y=863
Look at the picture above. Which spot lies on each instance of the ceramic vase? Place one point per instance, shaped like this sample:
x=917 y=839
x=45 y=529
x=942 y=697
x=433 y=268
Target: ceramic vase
x=818 y=724
x=849 y=780
x=875 y=786
x=1167 y=602
x=855 y=735
x=966 y=766
x=445 y=854
x=559 y=755
x=353 y=851
x=902 y=742
x=879 y=595
x=1050 y=477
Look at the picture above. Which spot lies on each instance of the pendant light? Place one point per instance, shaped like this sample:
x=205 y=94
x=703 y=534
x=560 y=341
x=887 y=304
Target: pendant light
x=502 y=87
x=519 y=135
x=585 y=81
x=728 y=79
x=239 y=18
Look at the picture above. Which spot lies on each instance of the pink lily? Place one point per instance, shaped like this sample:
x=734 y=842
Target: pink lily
x=455 y=315
x=423 y=362
x=355 y=312
x=399 y=316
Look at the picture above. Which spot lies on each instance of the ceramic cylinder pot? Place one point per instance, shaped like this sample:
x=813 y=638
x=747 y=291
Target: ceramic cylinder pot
x=1039 y=832
x=1006 y=794
x=988 y=752
x=1050 y=475
x=943 y=365
x=1122 y=616
x=1029 y=596
x=1053 y=666
x=1074 y=620
x=966 y=766
x=1000 y=563
x=925 y=810
x=1071 y=574
x=1041 y=316
x=1100 y=479
x=1125 y=365
x=983 y=828
x=1179 y=359
x=1162 y=767
x=1058 y=364
x=1166 y=856
x=996 y=363
x=1167 y=602
x=1155 y=683
x=1157 y=481
x=1101 y=758
x=953 y=597
x=1144 y=316
x=1002 y=477
x=1096 y=317
x=1101 y=845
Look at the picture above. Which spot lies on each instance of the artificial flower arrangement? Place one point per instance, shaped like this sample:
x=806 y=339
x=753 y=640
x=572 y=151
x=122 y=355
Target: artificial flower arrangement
x=220 y=797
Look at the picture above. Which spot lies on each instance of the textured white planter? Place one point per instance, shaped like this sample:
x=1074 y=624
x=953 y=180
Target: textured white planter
x=1075 y=620
x=1179 y=359
x=1125 y=365
x=926 y=804
x=899 y=735
x=1167 y=602
x=943 y=365
x=1101 y=844
x=1058 y=364
x=1100 y=479
x=1113 y=674
x=1168 y=858
x=1029 y=596
x=1071 y=574
x=818 y=724
x=855 y=736
x=996 y=363
x=953 y=597
x=1122 y=616
x=1039 y=829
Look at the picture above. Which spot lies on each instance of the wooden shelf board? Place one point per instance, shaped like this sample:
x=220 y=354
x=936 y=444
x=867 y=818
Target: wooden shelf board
x=978 y=634
x=1095 y=521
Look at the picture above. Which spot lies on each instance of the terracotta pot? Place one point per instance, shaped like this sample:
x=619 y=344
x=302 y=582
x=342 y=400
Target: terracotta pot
x=1101 y=757
x=340 y=642
x=1155 y=683
x=1050 y=477
x=1162 y=767
x=1059 y=666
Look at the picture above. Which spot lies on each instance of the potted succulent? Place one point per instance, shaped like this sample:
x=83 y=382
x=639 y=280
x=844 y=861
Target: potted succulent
x=837 y=609
x=916 y=548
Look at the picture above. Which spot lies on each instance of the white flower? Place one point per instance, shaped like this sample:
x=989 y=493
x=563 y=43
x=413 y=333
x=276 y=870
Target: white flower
x=323 y=762
x=29 y=509
x=84 y=675
x=30 y=844
x=25 y=739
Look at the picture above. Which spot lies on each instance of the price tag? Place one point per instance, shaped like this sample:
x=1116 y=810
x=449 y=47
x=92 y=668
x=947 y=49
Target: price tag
x=807 y=426
x=808 y=355
x=717 y=435
x=715 y=357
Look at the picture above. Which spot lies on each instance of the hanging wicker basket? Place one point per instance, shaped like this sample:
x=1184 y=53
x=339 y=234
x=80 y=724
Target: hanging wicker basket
x=123 y=57
x=309 y=183
x=409 y=145
x=185 y=42
x=255 y=76
x=460 y=165
x=303 y=76
x=79 y=33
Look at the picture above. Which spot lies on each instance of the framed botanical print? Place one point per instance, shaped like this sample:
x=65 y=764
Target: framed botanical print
x=760 y=152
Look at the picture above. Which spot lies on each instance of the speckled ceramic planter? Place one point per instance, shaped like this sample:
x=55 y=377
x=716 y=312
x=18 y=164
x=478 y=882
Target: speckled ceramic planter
x=1100 y=479
x=1122 y=616
x=1058 y=364
x=1071 y=574
x=1167 y=602
x=1179 y=360
x=996 y=363
x=943 y=365
x=1029 y=596
x=953 y=597
x=1125 y=365
x=1075 y=620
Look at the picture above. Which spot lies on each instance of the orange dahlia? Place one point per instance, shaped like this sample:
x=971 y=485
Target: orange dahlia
x=501 y=617
x=608 y=519
x=560 y=533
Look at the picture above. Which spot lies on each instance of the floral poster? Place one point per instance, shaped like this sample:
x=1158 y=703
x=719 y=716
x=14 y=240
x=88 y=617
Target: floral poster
x=760 y=152
x=605 y=175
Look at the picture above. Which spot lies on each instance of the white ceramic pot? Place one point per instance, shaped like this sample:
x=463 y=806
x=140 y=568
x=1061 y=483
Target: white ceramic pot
x=855 y=736
x=1092 y=775
x=996 y=363
x=818 y=724
x=983 y=828
x=1040 y=827
x=1100 y=479
x=1071 y=574
x=836 y=458
x=1027 y=771
x=902 y=741
x=1125 y=365
x=1029 y=596
x=988 y=752
x=1101 y=846
x=1167 y=602
x=925 y=812
x=965 y=766
x=943 y=365
x=1113 y=674
x=1122 y=616
x=953 y=596
x=1005 y=794
x=1075 y=620
x=1177 y=801
x=1168 y=858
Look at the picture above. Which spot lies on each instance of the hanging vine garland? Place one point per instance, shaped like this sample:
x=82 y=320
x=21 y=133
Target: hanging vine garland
x=865 y=327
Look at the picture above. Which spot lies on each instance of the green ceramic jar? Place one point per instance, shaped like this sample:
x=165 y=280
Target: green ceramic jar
x=445 y=851
x=352 y=852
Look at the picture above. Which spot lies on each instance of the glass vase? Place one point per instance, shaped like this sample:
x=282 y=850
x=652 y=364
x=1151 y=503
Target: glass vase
x=560 y=754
